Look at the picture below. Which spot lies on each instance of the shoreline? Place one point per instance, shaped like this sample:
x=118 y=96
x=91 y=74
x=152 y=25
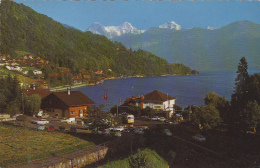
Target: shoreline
x=64 y=88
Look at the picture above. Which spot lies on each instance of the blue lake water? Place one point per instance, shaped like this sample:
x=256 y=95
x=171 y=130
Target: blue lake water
x=188 y=90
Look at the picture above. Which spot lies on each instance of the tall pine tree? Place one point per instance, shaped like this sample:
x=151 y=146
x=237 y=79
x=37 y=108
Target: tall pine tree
x=240 y=97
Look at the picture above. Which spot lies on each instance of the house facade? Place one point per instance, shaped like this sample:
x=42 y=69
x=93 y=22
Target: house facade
x=161 y=102
x=70 y=104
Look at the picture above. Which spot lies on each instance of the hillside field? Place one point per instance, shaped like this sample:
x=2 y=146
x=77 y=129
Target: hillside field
x=21 y=144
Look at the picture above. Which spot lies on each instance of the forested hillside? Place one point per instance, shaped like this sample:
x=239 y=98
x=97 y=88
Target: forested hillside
x=23 y=29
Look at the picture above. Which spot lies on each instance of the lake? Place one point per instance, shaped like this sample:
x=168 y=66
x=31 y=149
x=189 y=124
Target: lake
x=188 y=89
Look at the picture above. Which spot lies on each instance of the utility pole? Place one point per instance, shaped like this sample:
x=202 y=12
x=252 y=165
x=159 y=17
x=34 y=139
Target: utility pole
x=190 y=113
x=117 y=109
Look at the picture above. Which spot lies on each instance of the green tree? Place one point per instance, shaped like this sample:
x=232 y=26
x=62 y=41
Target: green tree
x=219 y=102
x=32 y=104
x=240 y=97
x=254 y=87
x=252 y=112
x=10 y=95
x=136 y=111
x=208 y=117
x=98 y=117
x=148 y=111
x=178 y=107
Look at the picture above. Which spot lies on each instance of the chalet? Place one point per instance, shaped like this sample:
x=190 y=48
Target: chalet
x=41 y=92
x=98 y=72
x=161 y=102
x=25 y=57
x=2 y=57
x=70 y=104
x=30 y=56
x=40 y=61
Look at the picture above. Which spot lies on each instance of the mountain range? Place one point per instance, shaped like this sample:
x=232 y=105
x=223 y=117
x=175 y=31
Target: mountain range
x=114 y=31
x=126 y=28
x=201 y=48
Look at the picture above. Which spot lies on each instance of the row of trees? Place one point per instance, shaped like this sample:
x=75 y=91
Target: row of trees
x=241 y=113
x=13 y=101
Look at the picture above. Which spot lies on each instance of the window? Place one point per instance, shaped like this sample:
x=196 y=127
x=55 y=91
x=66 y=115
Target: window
x=72 y=113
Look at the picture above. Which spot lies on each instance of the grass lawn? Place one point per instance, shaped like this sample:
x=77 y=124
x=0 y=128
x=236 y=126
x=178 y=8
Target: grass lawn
x=20 y=144
x=19 y=76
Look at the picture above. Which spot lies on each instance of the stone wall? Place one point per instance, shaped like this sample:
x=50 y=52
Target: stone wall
x=80 y=161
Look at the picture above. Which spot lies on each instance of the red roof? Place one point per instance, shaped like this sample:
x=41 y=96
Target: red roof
x=154 y=96
x=42 y=92
x=157 y=96
x=76 y=98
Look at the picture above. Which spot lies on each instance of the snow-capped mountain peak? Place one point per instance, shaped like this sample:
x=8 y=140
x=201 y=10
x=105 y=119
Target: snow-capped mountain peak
x=113 y=31
x=170 y=25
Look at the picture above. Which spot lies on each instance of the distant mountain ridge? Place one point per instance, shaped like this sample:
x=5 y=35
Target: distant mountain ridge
x=170 y=25
x=202 y=48
x=114 y=31
x=126 y=29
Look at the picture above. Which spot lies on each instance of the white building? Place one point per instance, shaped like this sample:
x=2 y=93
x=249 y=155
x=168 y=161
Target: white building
x=37 y=72
x=161 y=102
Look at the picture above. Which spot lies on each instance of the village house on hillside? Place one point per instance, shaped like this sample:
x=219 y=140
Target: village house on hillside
x=70 y=104
x=161 y=102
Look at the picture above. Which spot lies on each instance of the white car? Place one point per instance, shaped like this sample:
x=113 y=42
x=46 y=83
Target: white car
x=111 y=128
x=119 y=128
x=155 y=118
x=41 y=127
x=118 y=134
x=162 y=119
x=41 y=122
x=139 y=131
x=167 y=132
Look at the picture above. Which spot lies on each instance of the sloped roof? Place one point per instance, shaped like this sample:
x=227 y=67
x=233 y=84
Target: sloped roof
x=76 y=98
x=156 y=96
x=153 y=97
x=42 y=92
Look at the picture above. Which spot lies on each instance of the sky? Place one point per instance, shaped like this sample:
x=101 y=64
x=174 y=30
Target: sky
x=144 y=14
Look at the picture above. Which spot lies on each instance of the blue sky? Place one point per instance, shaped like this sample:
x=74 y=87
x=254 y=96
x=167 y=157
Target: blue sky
x=144 y=14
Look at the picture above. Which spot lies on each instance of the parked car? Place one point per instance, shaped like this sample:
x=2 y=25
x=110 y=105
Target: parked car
x=41 y=122
x=41 y=127
x=62 y=128
x=106 y=132
x=51 y=128
x=119 y=128
x=139 y=131
x=168 y=122
x=155 y=118
x=111 y=128
x=167 y=132
x=118 y=134
x=129 y=129
x=162 y=119
x=199 y=137
x=88 y=126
